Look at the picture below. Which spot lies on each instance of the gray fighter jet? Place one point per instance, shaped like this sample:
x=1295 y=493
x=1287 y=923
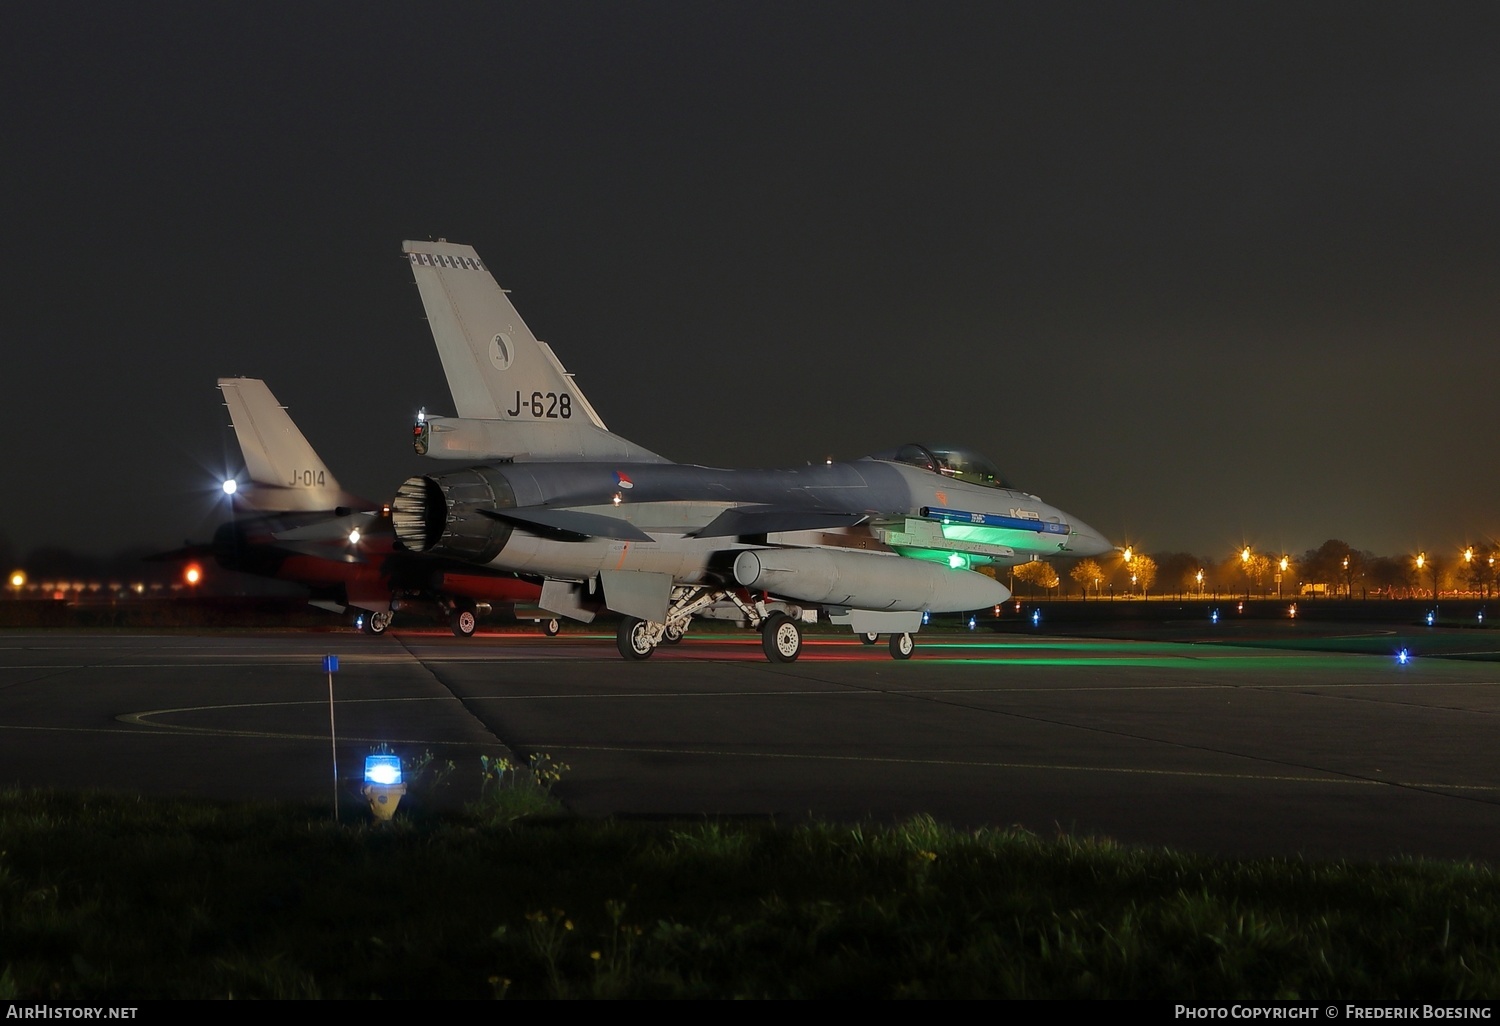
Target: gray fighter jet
x=873 y=544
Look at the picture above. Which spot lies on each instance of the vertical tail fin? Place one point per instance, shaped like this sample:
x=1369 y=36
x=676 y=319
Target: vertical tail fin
x=285 y=473
x=499 y=373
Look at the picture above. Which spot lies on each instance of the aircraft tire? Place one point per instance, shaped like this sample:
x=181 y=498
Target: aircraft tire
x=463 y=623
x=551 y=627
x=902 y=646
x=868 y=637
x=674 y=634
x=632 y=639
x=781 y=638
x=377 y=623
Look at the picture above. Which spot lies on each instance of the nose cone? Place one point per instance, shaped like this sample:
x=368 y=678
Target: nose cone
x=1085 y=541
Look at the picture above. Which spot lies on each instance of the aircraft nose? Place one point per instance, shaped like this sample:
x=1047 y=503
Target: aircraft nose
x=1085 y=541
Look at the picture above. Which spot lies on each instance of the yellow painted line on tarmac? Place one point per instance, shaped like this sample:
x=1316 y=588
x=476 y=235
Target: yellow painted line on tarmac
x=838 y=689
x=175 y=731
x=979 y=764
x=145 y=719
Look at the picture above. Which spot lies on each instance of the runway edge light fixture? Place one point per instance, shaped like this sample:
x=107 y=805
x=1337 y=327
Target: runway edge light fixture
x=383 y=785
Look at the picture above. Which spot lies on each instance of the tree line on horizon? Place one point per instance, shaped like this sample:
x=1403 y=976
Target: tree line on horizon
x=1334 y=569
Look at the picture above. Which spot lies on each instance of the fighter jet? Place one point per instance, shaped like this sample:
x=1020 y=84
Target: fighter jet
x=295 y=522
x=873 y=544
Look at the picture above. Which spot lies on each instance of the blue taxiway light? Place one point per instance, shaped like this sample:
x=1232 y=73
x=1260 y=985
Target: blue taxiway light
x=383 y=769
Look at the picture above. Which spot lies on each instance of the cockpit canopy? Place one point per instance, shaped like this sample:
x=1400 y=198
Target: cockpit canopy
x=958 y=464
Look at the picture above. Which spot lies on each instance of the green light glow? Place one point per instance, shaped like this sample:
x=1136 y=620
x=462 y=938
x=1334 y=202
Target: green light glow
x=944 y=556
x=1007 y=536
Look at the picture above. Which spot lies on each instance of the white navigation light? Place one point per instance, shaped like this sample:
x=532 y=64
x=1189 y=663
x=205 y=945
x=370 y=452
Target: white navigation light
x=354 y=537
x=231 y=486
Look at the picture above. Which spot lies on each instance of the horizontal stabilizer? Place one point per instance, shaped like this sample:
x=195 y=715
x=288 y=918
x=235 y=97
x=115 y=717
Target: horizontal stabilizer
x=570 y=522
x=332 y=529
x=743 y=520
x=327 y=551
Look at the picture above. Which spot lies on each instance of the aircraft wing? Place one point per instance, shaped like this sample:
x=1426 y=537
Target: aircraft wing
x=186 y=552
x=743 y=520
x=570 y=522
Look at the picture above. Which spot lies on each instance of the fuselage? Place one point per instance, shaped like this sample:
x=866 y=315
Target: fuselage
x=494 y=515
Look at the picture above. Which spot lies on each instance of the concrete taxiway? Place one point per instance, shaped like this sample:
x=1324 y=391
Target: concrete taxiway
x=1230 y=750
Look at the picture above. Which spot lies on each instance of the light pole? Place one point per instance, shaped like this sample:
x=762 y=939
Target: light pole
x=1245 y=566
x=1279 y=576
x=1422 y=562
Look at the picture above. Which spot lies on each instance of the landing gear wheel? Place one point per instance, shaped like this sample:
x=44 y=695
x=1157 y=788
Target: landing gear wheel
x=633 y=639
x=781 y=638
x=551 y=627
x=901 y=646
x=463 y=623
x=377 y=623
x=868 y=637
x=674 y=633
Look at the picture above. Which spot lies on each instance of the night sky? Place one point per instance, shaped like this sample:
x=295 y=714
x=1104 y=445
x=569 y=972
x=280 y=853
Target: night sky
x=1200 y=274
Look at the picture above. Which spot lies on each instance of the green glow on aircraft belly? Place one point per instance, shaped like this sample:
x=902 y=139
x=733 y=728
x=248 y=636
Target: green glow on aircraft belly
x=1021 y=541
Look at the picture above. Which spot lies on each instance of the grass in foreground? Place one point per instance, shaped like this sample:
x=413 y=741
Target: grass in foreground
x=112 y=898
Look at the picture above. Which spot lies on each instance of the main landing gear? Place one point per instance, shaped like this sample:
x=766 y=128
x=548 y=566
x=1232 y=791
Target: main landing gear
x=781 y=638
x=463 y=623
x=375 y=623
x=634 y=639
x=780 y=633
